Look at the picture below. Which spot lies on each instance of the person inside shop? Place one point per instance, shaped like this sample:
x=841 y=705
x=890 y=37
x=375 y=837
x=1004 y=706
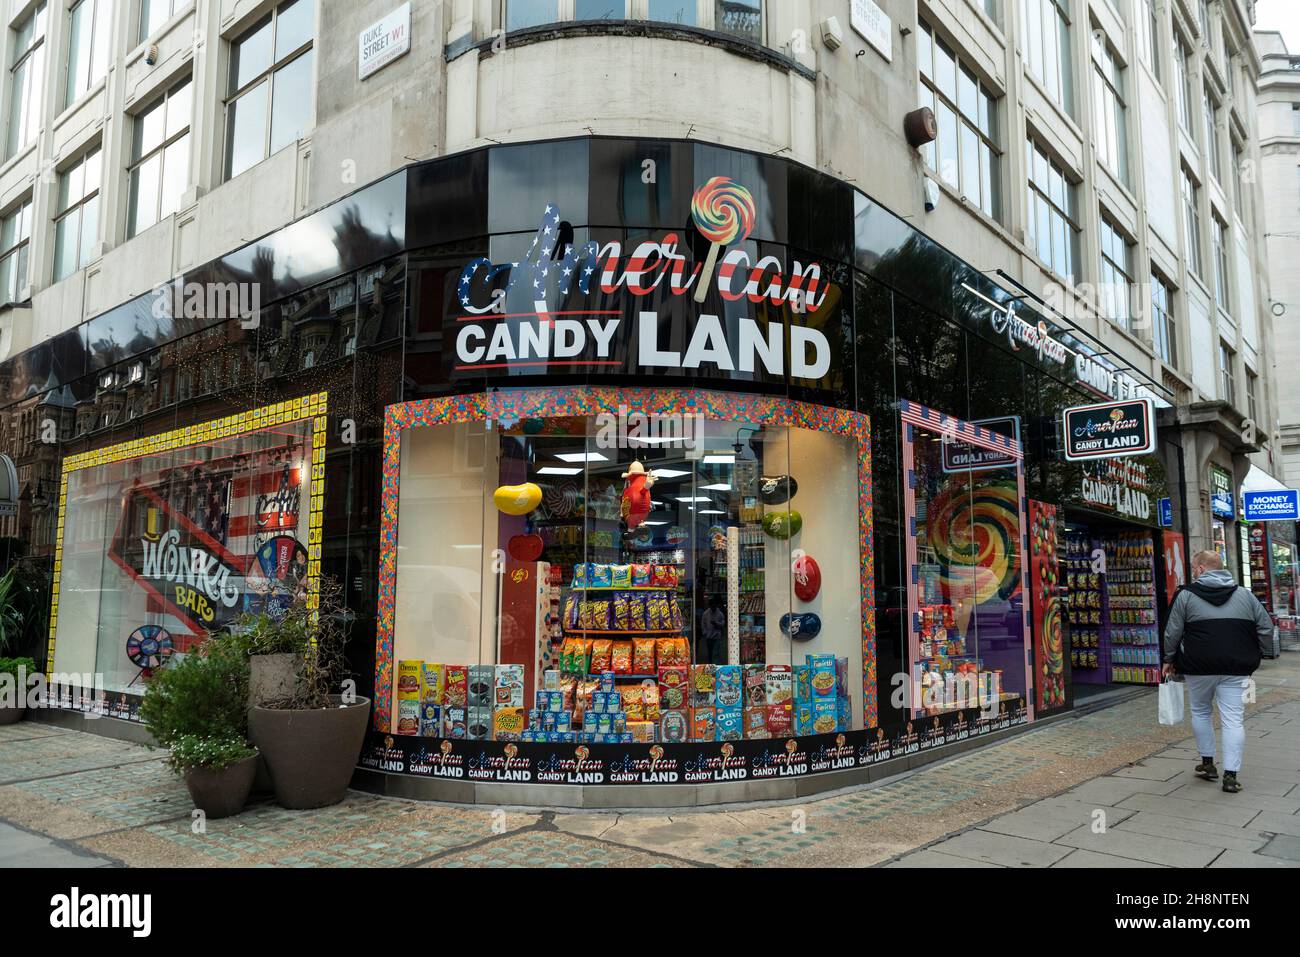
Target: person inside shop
x=1217 y=634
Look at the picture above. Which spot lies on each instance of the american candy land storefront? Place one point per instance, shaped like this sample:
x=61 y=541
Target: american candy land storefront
x=731 y=483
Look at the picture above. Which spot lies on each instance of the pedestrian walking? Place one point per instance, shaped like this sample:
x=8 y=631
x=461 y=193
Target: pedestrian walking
x=1216 y=636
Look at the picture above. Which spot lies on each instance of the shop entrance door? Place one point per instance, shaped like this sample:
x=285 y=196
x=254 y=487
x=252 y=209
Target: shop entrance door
x=968 y=614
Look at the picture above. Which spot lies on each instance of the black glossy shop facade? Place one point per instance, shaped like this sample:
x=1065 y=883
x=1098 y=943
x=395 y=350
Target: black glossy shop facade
x=870 y=312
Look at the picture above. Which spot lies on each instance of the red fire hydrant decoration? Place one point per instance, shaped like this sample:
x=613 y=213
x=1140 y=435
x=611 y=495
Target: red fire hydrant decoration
x=636 y=495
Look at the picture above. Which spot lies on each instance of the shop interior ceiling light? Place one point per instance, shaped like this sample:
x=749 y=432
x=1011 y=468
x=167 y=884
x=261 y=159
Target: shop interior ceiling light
x=558 y=471
x=668 y=474
x=729 y=459
x=581 y=457
x=719 y=487
x=696 y=498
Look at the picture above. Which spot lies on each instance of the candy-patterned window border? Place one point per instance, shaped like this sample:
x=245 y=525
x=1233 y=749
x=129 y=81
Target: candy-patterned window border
x=508 y=407
x=310 y=407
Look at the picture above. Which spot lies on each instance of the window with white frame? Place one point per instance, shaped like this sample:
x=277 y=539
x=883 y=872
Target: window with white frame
x=26 y=81
x=1222 y=289
x=1211 y=108
x=1109 y=111
x=1183 y=82
x=1164 y=334
x=1047 y=47
x=1148 y=33
x=965 y=153
x=1203 y=19
x=1053 y=232
x=1115 y=293
x=160 y=158
x=1191 y=193
x=15 y=237
x=154 y=13
x=1227 y=375
x=271 y=92
x=1252 y=396
x=1237 y=173
x=90 y=32
x=739 y=18
x=76 y=224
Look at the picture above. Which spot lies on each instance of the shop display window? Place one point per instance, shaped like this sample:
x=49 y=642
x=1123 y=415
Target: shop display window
x=625 y=566
x=166 y=539
x=965 y=531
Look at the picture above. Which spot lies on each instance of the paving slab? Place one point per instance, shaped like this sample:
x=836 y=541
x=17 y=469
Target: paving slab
x=1003 y=849
x=19 y=848
x=1154 y=824
x=1082 y=858
x=1047 y=820
x=1153 y=769
x=932 y=858
x=1253 y=794
x=1236 y=815
x=1240 y=859
x=1112 y=790
x=1269 y=823
x=1142 y=847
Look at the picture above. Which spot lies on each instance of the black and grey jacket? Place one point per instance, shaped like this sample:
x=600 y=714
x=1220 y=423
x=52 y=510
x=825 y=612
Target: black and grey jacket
x=1216 y=628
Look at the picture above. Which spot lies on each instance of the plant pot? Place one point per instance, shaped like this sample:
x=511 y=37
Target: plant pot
x=273 y=678
x=11 y=714
x=310 y=754
x=221 y=793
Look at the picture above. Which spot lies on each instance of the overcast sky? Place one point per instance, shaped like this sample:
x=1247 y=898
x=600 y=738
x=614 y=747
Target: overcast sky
x=1283 y=15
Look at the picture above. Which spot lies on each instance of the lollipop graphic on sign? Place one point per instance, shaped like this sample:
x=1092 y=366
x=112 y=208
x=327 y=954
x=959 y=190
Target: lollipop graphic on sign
x=724 y=213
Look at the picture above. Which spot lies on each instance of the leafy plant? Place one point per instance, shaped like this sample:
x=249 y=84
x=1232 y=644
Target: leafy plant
x=209 y=752
x=22 y=608
x=203 y=695
x=13 y=666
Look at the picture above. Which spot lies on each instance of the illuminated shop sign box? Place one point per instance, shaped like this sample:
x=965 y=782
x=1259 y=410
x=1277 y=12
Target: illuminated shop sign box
x=1110 y=430
x=959 y=456
x=1273 y=506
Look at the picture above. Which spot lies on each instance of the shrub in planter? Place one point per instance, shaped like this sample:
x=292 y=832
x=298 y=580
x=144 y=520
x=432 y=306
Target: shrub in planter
x=308 y=733
x=15 y=673
x=218 y=771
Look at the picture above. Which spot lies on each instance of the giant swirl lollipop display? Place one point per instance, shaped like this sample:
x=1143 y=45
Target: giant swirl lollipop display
x=724 y=213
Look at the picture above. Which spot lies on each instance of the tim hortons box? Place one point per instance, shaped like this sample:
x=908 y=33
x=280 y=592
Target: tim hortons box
x=780 y=719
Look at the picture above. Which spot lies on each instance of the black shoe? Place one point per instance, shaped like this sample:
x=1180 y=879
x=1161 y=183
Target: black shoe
x=1230 y=782
x=1206 y=770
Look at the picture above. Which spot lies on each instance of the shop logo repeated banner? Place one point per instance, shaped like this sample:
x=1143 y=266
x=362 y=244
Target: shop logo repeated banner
x=1110 y=430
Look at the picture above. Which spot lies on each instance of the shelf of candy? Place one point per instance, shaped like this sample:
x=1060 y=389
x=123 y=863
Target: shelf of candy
x=939 y=640
x=1134 y=651
x=475 y=702
x=1133 y=675
x=1085 y=648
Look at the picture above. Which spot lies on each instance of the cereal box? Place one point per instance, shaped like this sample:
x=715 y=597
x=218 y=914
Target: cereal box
x=731 y=724
x=803 y=718
x=673 y=726
x=756 y=722
x=704 y=724
x=823 y=676
x=755 y=686
x=551 y=679
x=673 y=688
x=408 y=680
x=802 y=683
x=433 y=683
x=507 y=724
x=825 y=715
x=456 y=693
x=704 y=683
x=430 y=720
x=843 y=714
x=482 y=679
x=454 y=722
x=408 y=717
x=509 y=686
x=643 y=732
x=778 y=684
x=730 y=689
x=841 y=677
x=479 y=725
x=780 y=719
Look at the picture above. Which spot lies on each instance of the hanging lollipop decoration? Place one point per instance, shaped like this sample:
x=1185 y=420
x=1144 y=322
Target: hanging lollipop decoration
x=724 y=213
x=148 y=648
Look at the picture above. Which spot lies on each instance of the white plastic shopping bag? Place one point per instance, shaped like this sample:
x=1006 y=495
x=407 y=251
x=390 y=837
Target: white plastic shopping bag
x=1171 y=702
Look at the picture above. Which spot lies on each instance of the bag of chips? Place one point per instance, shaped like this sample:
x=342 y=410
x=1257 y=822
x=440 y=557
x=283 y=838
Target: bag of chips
x=643 y=656
x=621 y=576
x=650 y=700
x=622 y=658
x=622 y=611
x=601 y=655
x=636 y=612
x=634 y=703
x=641 y=576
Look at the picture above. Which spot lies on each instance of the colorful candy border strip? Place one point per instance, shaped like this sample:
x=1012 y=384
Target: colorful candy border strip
x=509 y=408
x=314 y=407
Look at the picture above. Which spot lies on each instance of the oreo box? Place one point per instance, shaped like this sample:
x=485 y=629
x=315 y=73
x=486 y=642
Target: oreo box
x=731 y=724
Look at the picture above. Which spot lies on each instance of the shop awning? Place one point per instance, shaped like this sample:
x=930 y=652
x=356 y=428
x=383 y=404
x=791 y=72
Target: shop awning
x=8 y=486
x=1257 y=480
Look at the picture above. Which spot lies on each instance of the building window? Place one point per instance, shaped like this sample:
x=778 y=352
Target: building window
x=77 y=223
x=1230 y=65
x=1227 y=379
x=160 y=158
x=966 y=153
x=154 y=13
x=1108 y=108
x=1203 y=18
x=1212 y=136
x=26 y=81
x=1237 y=172
x=1162 y=321
x=1115 y=294
x=1183 y=86
x=90 y=31
x=271 y=92
x=1252 y=396
x=1222 y=290
x=1295 y=119
x=1047 y=45
x=1192 y=222
x=1053 y=213
x=1148 y=33
x=15 y=235
x=740 y=18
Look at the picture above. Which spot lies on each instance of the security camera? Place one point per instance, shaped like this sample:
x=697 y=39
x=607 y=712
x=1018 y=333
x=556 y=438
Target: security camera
x=832 y=33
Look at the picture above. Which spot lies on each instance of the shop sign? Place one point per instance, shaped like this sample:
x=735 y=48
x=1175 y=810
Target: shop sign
x=1110 y=430
x=648 y=291
x=873 y=25
x=960 y=456
x=1120 y=486
x=1092 y=373
x=1221 y=497
x=1273 y=506
x=1166 y=513
x=195 y=577
x=383 y=42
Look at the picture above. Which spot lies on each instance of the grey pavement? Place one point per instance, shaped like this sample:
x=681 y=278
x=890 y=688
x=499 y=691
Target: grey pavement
x=20 y=848
x=1154 y=812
